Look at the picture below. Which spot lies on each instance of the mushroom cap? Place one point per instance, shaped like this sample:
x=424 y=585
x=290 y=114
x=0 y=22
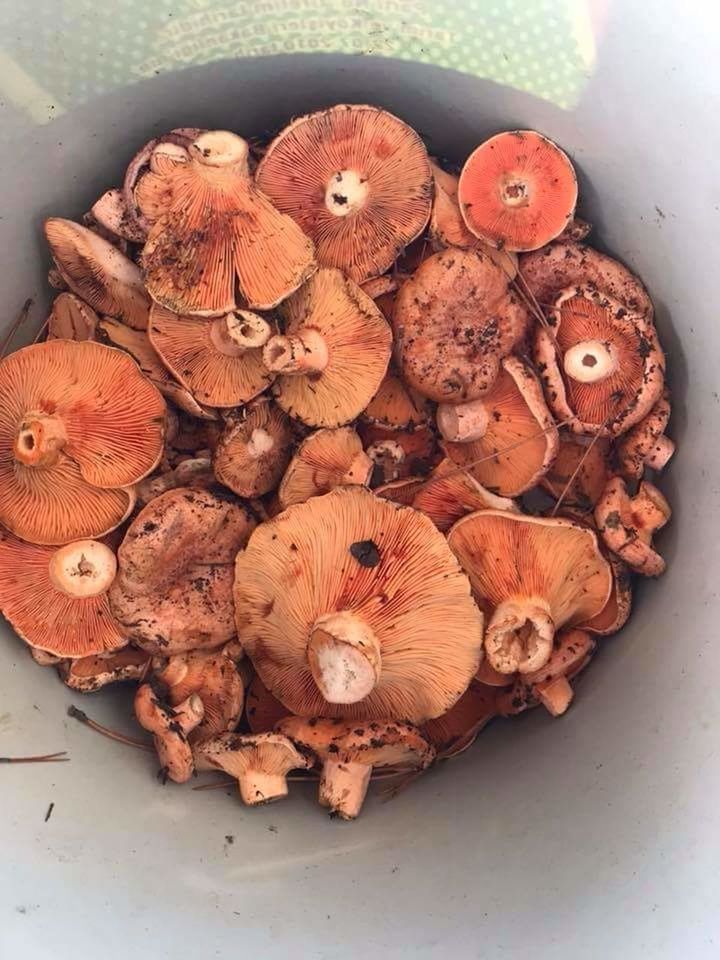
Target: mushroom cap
x=98 y=272
x=262 y=710
x=517 y=190
x=449 y=493
x=627 y=524
x=358 y=341
x=616 y=611
x=253 y=453
x=325 y=459
x=44 y=615
x=173 y=591
x=314 y=733
x=170 y=728
x=91 y=673
x=196 y=473
x=385 y=743
x=71 y=319
x=205 y=360
x=593 y=331
x=218 y=232
x=395 y=406
x=406 y=587
x=356 y=179
x=457 y=729
x=516 y=420
x=454 y=321
x=576 y=452
x=641 y=442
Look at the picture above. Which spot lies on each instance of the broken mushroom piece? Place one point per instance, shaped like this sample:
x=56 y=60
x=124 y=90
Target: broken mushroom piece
x=458 y=729
x=79 y=424
x=356 y=179
x=89 y=674
x=507 y=438
x=324 y=460
x=346 y=773
x=602 y=366
x=627 y=524
x=111 y=213
x=334 y=353
x=98 y=272
x=253 y=452
x=262 y=711
x=219 y=233
x=454 y=320
x=173 y=590
x=450 y=492
x=71 y=319
x=57 y=598
x=170 y=727
x=584 y=461
x=259 y=762
x=645 y=444
x=350 y=606
x=517 y=191
x=531 y=576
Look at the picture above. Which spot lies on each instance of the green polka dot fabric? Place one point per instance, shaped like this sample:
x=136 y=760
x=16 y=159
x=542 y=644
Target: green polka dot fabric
x=544 y=47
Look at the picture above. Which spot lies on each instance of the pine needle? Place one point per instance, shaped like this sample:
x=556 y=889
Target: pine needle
x=80 y=715
x=20 y=320
x=59 y=757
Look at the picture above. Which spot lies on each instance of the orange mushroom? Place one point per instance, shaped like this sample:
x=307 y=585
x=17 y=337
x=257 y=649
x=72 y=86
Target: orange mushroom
x=262 y=710
x=350 y=606
x=97 y=272
x=213 y=359
x=400 y=491
x=646 y=444
x=91 y=673
x=253 y=452
x=627 y=524
x=450 y=492
x=195 y=473
x=324 y=460
x=398 y=454
x=71 y=319
x=458 y=729
x=587 y=461
x=616 y=611
x=532 y=576
x=218 y=232
x=395 y=406
x=601 y=365
x=57 y=598
x=356 y=179
x=509 y=430
x=170 y=727
x=454 y=321
x=334 y=353
x=78 y=425
x=517 y=191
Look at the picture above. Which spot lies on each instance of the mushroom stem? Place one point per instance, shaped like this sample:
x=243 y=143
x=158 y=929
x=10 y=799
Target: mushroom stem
x=343 y=787
x=347 y=192
x=359 y=470
x=555 y=696
x=650 y=511
x=85 y=568
x=260 y=442
x=344 y=657
x=39 y=440
x=304 y=352
x=519 y=637
x=662 y=450
x=259 y=787
x=590 y=361
x=248 y=330
x=389 y=455
x=462 y=422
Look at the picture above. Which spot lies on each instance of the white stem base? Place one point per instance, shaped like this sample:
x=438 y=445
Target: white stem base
x=462 y=422
x=343 y=787
x=257 y=787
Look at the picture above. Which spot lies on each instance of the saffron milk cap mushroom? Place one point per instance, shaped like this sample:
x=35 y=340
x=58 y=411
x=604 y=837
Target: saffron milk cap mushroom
x=645 y=444
x=450 y=492
x=91 y=673
x=253 y=451
x=170 y=727
x=71 y=319
x=627 y=524
x=325 y=459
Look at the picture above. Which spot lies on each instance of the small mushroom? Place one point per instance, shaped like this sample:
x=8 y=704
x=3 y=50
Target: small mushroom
x=146 y=188
x=396 y=407
x=507 y=438
x=532 y=576
x=262 y=710
x=89 y=674
x=173 y=590
x=584 y=458
x=450 y=492
x=454 y=320
x=259 y=762
x=356 y=179
x=517 y=190
x=350 y=606
x=170 y=727
x=334 y=353
x=218 y=233
x=627 y=524
x=346 y=773
x=456 y=730
x=253 y=452
x=98 y=272
x=324 y=460
x=601 y=365
x=71 y=319
x=646 y=444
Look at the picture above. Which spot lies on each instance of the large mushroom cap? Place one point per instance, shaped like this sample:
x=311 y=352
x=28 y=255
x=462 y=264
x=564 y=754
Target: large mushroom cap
x=351 y=579
x=454 y=321
x=531 y=576
x=506 y=438
x=334 y=353
x=326 y=459
x=253 y=452
x=57 y=599
x=218 y=232
x=74 y=417
x=356 y=179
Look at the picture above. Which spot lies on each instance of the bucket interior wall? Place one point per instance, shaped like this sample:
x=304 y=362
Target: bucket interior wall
x=596 y=835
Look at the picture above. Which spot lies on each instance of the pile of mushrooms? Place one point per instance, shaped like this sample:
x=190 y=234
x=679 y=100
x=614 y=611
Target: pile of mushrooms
x=336 y=456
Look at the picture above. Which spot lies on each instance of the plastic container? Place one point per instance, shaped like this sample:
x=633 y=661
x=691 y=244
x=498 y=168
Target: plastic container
x=594 y=836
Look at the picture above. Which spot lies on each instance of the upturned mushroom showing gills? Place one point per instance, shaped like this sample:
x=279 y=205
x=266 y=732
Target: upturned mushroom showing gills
x=57 y=598
x=600 y=364
x=89 y=674
x=219 y=235
x=517 y=191
x=356 y=179
x=79 y=425
x=254 y=450
x=334 y=353
x=579 y=472
x=170 y=727
x=350 y=606
x=507 y=438
x=454 y=321
x=326 y=459
x=173 y=590
x=531 y=576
